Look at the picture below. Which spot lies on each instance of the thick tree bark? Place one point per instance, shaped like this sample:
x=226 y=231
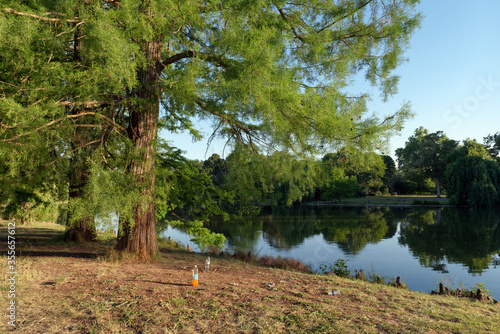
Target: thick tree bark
x=140 y=237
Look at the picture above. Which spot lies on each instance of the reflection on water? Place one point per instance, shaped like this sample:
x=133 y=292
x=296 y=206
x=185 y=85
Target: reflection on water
x=454 y=236
x=424 y=245
x=352 y=230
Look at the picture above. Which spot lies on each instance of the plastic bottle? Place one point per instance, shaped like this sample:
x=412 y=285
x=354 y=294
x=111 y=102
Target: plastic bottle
x=207 y=264
x=195 y=276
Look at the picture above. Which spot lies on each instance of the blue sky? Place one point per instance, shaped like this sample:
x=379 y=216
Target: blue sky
x=452 y=78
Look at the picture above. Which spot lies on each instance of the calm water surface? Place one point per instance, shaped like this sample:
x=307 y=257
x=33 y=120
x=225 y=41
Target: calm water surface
x=423 y=246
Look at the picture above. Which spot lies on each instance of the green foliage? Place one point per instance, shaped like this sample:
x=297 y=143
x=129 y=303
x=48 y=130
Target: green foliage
x=277 y=179
x=181 y=184
x=100 y=198
x=473 y=177
x=26 y=205
x=339 y=186
x=483 y=288
x=351 y=172
x=424 y=156
x=51 y=72
x=389 y=172
x=492 y=145
x=217 y=168
x=339 y=268
x=184 y=188
x=474 y=181
x=202 y=236
x=417 y=183
x=28 y=195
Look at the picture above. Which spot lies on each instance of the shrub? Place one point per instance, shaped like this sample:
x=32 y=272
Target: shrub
x=339 y=268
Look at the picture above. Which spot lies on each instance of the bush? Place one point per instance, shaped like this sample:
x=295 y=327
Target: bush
x=339 y=268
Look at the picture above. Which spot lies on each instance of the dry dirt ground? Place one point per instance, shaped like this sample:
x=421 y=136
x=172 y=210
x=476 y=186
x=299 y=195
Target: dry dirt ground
x=68 y=288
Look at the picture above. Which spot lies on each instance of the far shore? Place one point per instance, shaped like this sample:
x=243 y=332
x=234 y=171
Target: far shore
x=388 y=200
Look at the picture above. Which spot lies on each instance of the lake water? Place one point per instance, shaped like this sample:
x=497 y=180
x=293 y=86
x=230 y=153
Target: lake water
x=424 y=246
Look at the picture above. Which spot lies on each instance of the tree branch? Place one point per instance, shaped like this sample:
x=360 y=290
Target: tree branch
x=343 y=18
x=88 y=113
x=87 y=104
x=179 y=56
x=217 y=60
x=297 y=35
x=59 y=158
x=50 y=19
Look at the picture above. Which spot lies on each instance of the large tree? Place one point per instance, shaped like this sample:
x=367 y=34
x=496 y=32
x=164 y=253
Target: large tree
x=365 y=169
x=426 y=152
x=473 y=176
x=492 y=144
x=63 y=77
x=390 y=172
x=271 y=75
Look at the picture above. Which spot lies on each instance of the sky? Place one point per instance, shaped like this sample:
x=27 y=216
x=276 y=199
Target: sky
x=452 y=77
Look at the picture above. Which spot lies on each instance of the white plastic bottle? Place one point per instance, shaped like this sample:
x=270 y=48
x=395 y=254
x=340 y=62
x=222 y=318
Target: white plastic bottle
x=207 y=264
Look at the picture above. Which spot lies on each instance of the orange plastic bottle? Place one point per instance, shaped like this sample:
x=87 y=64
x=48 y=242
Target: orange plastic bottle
x=195 y=276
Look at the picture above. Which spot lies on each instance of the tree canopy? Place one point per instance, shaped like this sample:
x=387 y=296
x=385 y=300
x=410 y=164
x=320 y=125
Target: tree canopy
x=426 y=153
x=273 y=76
x=473 y=176
x=492 y=144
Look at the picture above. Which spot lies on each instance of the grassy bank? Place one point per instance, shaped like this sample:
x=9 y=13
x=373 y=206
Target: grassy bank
x=67 y=288
x=393 y=200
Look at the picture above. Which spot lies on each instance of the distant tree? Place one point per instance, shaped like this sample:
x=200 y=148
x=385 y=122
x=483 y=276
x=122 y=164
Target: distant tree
x=418 y=183
x=339 y=185
x=389 y=172
x=370 y=177
x=425 y=152
x=473 y=176
x=367 y=168
x=492 y=145
x=184 y=187
x=217 y=168
x=279 y=178
x=400 y=184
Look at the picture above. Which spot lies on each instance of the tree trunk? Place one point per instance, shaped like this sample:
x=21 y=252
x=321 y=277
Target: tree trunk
x=84 y=230
x=139 y=237
x=438 y=188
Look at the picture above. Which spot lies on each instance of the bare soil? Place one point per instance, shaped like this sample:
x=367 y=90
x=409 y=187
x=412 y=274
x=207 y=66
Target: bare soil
x=69 y=288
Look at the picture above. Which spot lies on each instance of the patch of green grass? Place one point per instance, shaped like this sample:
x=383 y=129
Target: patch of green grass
x=425 y=202
x=140 y=276
x=396 y=200
x=269 y=298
